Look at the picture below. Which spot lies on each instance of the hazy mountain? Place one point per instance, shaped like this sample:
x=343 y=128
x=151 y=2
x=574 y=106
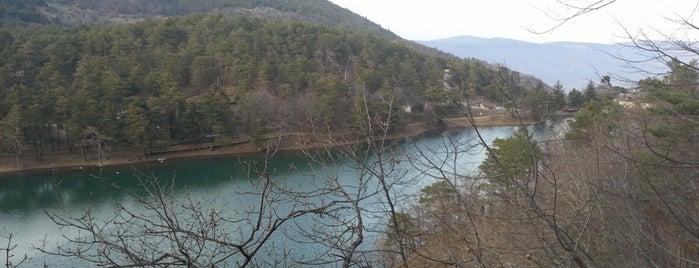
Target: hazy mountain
x=574 y=64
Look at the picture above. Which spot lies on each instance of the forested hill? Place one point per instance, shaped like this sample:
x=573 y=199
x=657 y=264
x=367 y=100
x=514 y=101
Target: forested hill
x=193 y=78
x=81 y=12
x=185 y=78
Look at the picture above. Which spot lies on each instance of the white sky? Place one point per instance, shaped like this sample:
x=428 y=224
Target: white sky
x=436 y=19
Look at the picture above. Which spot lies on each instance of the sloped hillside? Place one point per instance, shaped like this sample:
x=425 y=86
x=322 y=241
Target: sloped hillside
x=163 y=81
x=79 y=12
x=132 y=81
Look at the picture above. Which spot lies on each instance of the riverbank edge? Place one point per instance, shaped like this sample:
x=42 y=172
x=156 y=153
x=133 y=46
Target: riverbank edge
x=287 y=143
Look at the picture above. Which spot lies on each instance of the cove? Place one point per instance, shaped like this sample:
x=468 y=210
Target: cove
x=218 y=182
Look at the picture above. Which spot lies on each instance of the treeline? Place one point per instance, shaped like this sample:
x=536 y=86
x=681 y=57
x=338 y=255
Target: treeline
x=13 y=13
x=188 y=7
x=80 y=12
x=186 y=79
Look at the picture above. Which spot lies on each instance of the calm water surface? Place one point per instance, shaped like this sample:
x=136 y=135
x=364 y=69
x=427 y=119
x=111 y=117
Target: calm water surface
x=25 y=198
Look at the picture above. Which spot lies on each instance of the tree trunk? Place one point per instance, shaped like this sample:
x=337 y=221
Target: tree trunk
x=70 y=144
x=57 y=139
x=38 y=150
x=99 y=152
x=18 y=154
x=41 y=150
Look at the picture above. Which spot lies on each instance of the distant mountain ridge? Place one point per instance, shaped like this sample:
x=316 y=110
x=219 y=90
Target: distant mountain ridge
x=573 y=64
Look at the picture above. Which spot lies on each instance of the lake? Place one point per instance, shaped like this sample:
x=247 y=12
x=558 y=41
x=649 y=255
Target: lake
x=221 y=184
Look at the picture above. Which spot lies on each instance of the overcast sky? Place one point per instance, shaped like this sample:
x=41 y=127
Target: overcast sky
x=435 y=19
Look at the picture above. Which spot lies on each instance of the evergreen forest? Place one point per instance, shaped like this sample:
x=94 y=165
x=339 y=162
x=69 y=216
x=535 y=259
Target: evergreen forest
x=194 y=78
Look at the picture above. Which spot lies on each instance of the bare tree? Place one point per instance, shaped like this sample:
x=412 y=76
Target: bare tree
x=167 y=227
x=10 y=260
x=618 y=197
x=93 y=138
x=11 y=134
x=172 y=228
x=639 y=168
x=450 y=211
x=370 y=190
x=510 y=214
x=567 y=11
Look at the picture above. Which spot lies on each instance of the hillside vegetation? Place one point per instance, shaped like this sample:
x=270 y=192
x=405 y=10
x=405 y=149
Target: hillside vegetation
x=194 y=78
x=80 y=12
x=619 y=189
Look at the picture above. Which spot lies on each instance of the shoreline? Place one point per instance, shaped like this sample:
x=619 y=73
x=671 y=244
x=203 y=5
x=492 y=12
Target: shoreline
x=288 y=142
